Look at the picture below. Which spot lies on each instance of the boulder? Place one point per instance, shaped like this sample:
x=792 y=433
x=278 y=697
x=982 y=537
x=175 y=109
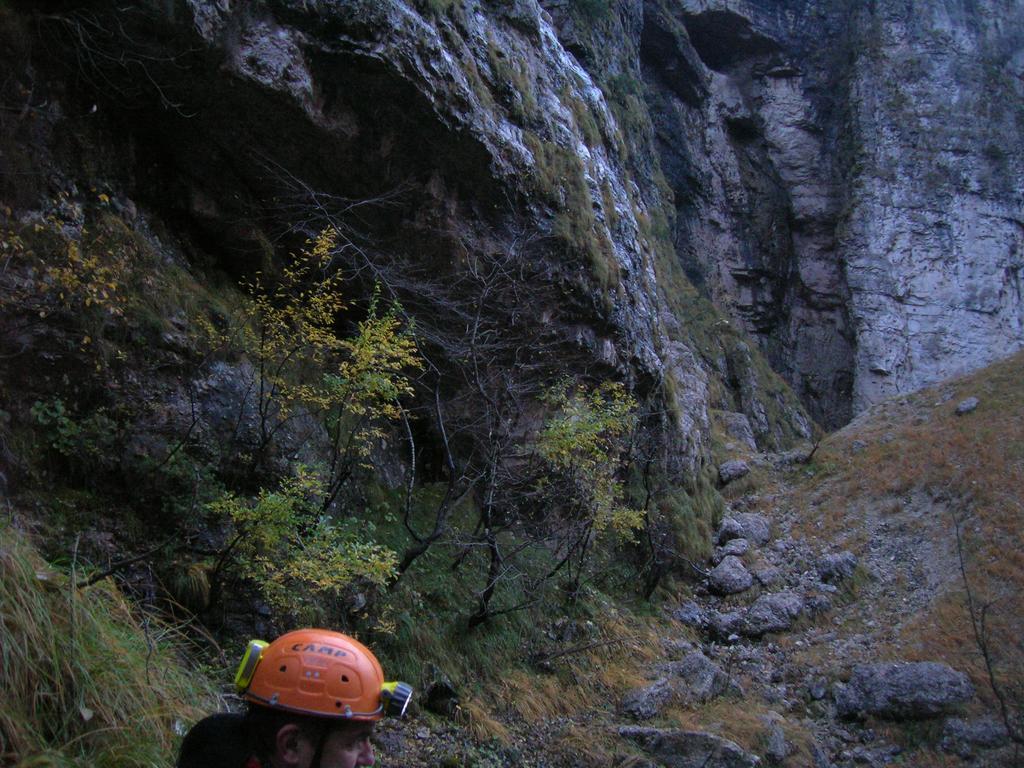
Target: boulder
x=732 y=470
x=767 y=576
x=837 y=567
x=725 y=626
x=690 y=614
x=730 y=577
x=695 y=679
x=772 y=613
x=745 y=525
x=966 y=406
x=729 y=529
x=903 y=690
x=818 y=603
x=689 y=749
x=645 y=703
x=701 y=679
x=776 y=747
x=441 y=696
x=963 y=737
x=735 y=547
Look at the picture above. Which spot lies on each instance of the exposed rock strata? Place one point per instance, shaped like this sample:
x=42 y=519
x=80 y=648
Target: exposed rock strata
x=431 y=138
x=844 y=181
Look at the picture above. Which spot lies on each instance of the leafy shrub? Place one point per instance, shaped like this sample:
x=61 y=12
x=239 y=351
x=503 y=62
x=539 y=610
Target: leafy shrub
x=288 y=329
x=584 y=440
x=299 y=559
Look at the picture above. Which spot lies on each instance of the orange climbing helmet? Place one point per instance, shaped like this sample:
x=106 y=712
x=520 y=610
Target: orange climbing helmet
x=321 y=673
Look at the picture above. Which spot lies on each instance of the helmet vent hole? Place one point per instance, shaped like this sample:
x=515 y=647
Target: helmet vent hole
x=284 y=668
x=337 y=704
x=344 y=678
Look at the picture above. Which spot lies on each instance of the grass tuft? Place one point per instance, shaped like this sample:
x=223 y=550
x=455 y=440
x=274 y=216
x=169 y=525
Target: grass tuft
x=84 y=684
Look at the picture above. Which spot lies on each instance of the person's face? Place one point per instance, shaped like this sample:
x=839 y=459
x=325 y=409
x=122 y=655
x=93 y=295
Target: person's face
x=348 y=746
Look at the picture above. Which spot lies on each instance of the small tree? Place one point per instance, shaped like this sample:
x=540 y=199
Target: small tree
x=304 y=365
x=300 y=560
x=559 y=498
x=584 y=442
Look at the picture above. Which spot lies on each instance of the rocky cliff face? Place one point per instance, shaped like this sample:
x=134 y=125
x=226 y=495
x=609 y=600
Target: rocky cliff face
x=445 y=141
x=847 y=182
x=934 y=238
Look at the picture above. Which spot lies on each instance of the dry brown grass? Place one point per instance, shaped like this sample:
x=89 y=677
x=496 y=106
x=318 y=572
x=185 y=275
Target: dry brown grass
x=476 y=717
x=85 y=681
x=919 y=464
x=746 y=723
x=584 y=684
x=585 y=744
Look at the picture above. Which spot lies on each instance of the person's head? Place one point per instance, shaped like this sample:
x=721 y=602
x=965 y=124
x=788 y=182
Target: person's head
x=286 y=740
x=314 y=696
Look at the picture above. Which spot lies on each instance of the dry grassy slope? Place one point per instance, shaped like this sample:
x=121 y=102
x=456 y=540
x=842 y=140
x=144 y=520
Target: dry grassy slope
x=894 y=487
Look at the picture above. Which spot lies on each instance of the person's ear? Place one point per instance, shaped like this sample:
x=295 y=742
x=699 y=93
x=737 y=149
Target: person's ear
x=288 y=746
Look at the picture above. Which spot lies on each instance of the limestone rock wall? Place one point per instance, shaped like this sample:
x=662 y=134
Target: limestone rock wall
x=934 y=236
x=842 y=180
x=847 y=182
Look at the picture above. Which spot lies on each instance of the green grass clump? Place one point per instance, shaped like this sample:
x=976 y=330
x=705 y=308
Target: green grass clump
x=514 y=84
x=559 y=178
x=83 y=683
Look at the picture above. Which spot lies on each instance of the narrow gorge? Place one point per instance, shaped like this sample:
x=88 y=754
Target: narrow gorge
x=624 y=327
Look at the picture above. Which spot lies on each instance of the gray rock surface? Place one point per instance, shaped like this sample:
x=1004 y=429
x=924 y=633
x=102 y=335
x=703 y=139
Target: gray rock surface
x=734 y=547
x=701 y=679
x=776 y=747
x=966 y=737
x=899 y=691
x=647 y=702
x=772 y=613
x=689 y=749
x=872 y=245
x=737 y=426
x=729 y=529
x=745 y=525
x=733 y=470
x=727 y=625
x=695 y=679
x=730 y=577
x=966 y=406
x=690 y=614
x=837 y=567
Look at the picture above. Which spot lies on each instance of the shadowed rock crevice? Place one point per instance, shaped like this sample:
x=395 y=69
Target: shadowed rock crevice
x=723 y=39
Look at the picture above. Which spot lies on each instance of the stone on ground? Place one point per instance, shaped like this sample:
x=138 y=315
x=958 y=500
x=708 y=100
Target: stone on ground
x=745 y=525
x=689 y=749
x=732 y=470
x=735 y=547
x=725 y=626
x=964 y=737
x=837 y=567
x=900 y=690
x=966 y=406
x=690 y=614
x=695 y=679
x=773 y=613
x=730 y=577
